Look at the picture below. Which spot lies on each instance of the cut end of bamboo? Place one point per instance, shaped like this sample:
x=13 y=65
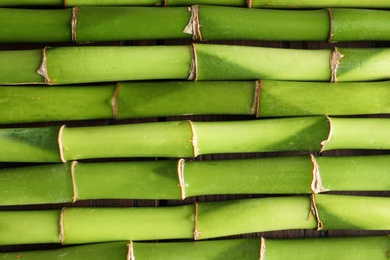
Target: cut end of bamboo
x=193 y=26
x=193 y=73
x=326 y=141
x=335 y=58
x=180 y=174
x=130 y=251
x=316 y=183
x=42 y=70
x=314 y=212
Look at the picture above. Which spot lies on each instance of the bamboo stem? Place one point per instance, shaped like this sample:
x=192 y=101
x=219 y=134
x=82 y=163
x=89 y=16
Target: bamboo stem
x=180 y=179
x=239 y=3
x=199 y=221
x=249 y=248
x=66 y=65
x=265 y=98
x=190 y=139
x=91 y=24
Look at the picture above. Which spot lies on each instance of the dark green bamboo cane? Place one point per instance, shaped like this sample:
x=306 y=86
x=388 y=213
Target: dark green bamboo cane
x=66 y=65
x=189 y=139
x=125 y=100
x=91 y=24
x=198 y=221
x=355 y=248
x=180 y=179
x=243 y=3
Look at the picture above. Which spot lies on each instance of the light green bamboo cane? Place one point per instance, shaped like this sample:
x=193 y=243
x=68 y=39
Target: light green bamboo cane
x=91 y=24
x=198 y=221
x=125 y=100
x=66 y=65
x=253 y=248
x=180 y=179
x=243 y=3
x=190 y=139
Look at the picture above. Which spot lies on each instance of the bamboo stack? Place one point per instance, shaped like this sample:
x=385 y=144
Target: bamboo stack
x=222 y=121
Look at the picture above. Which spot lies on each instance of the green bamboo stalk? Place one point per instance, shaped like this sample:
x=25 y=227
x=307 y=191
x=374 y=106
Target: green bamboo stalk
x=176 y=180
x=190 y=139
x=250 y=248
x=66 y=65
x=252 y=3
x=89 y=24
x=124 y=100
x=199 y=221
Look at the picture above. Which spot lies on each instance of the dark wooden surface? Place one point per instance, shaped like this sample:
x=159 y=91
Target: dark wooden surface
x=162 y=203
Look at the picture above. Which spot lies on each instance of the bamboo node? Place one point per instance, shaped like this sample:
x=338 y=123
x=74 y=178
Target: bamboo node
x=61 y=227
x=314 y=212
x=262 y=249
x=193 y=73
x=326 y=141
x=72 y=174
x=197 y=233
x=249 y=3
x=255 y=110
x=60 y=144
x=335 y=58
x=316 y=182
x=194 y=140
x=193 y=26
x=75 y=11
x=114 y=101
x=180 y=174
x=130 y=251
x=331 y=24
x=42 y=70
